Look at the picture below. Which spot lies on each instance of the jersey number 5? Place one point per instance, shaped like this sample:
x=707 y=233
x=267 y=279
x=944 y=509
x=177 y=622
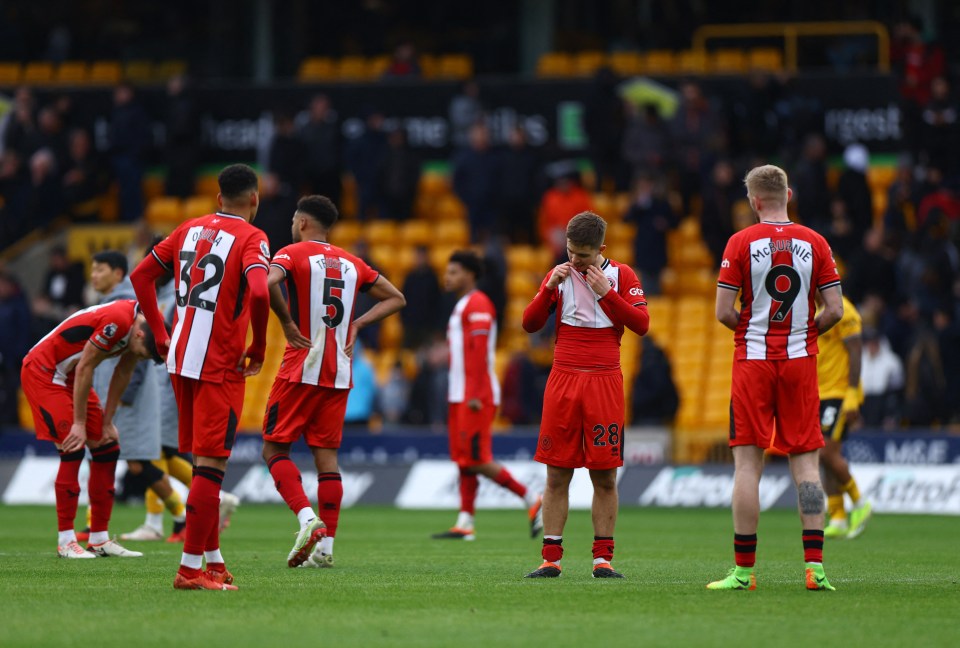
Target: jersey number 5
x=188 y=295
x=783 y=285
x=329 y=299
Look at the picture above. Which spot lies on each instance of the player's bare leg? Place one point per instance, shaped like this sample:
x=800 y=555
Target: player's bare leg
x=556 y=506
x=288 y=481
x=606 y=501
x=748 y=467
x=805 y=468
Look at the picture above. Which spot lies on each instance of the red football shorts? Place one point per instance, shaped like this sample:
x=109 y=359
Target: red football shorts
x=52 y=406
x=296 y=409
x=471 y=441
x=582 y=422
x=776 y=404
x=209 y=413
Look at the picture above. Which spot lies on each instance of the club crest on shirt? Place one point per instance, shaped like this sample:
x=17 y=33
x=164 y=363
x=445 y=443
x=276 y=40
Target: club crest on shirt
x=109 y=330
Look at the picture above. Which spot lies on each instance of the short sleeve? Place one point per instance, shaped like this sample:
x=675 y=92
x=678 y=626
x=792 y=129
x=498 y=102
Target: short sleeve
x=166 y=250
x=112 y=331
x=630 y=288
x=366 y=276
x=826 y=268
x=478 y=317
x=256 y=253
x=283 y=260
x=731 y=270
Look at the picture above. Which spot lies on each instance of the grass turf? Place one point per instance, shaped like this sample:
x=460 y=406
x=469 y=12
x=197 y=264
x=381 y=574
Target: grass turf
x=896 y=585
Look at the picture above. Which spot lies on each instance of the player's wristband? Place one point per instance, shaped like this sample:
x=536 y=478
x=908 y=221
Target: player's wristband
x=851 y=400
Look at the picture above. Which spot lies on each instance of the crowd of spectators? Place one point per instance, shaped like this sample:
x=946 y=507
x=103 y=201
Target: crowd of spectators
x=902 y=269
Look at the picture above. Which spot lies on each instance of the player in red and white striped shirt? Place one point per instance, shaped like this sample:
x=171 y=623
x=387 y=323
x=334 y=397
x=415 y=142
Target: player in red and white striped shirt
x=219 y=262
x=474 y=394
x=778 y=267
x=309 y=395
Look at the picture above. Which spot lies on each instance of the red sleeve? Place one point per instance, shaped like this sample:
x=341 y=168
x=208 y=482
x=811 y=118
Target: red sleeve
x=630 y=288
x=731 y=272
x=826 y=267
x=366 y=276
x=144 y=278
x=283 y=260
x=623 y=313
x=113 y=327
x=256 y=253
x=259 y=310
x=537 y=312
x=478 y=319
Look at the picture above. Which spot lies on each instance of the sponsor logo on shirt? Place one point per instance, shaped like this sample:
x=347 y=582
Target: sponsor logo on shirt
x=636 y=291
x=282 y=256
x=725 y=264
x=479 y=317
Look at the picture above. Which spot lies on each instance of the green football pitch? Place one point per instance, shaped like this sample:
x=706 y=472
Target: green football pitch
x=897 y=585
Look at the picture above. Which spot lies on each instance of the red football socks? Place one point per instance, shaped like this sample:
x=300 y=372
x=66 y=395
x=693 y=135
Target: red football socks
x=505 y=479
x=289 y=482
x=203 y=509
x=603 y=548
x=745 y=549
x=67 y=489
x=813 y=545
x=552 y=549
x=469 y=483
x=103 y=470
x=329 y=497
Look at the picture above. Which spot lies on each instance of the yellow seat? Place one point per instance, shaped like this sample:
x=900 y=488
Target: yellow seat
x=138 y=71
x=170 y=68
x=381 y=233
x=439 y=256
x=164 y=211
x=152 y=186
x=450 y=208
x=376 y=66
x=881 y=177
x=416 y=232
x=587 y=63
x=728 y=61
x=602 y=205
x=454 y=232
x=621 y=205
x=555 y=64
x=521 y=258
x=10 y=74
x=346 y=233
x=105 y=72
x=621 y=234
x=434 y=184
x=391 y=333
x=692 y=62
x=83 y=241
x=455 y=66
x=24 y=412
x=621 y=252
x=626 y=63
x=316 y=68
x=352 y=68
x=197 y=206
x=659 y=62
x=768 y=59
x=522 y=285
x=38 y=72
x=206 y=185
x=71 y=72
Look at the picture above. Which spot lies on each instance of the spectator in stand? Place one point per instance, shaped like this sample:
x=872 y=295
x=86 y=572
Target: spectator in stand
x=61 y=292
x=947 y=329
x=903 y=198
x=422 y=290
x=362 y=399
x=841 y=231
x=655 y=399
x=519 y=187
x=716 y=219
x=280 y=187
x=51 y=135
x=654 y=217
x=46 y=185
x=918 y=64
x=404 y=62
x=428 y=393
x=363 y=157
x=15 y=327
x=941 y=127
x=604 y=120
x=476 y=177
x=854 y=190
x=14 y=197
x=561 y=202
x=182 y=150
x=84 y=179
x=465 y=110
x=20 y=132
x=882 y=380
x=646 y=141
x=926 y=401
x=129 y=138
x=696 y=134
x=872 y=269
x=938 y=196
x=394 y=395
x=320 y=134
x=810 y=183
x=397 y=178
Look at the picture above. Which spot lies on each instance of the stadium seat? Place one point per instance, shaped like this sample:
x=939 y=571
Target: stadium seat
x=603 y=205
x=439 y=256
x=522 y=285
x=659 y=62
x=692 y=62
x=164 y=211
x=728 y=61
x=105 y=72
x=206 y=185
x=452 y=232
x=455 y=66
x=429 y=66
x=521 y=258
x=24 y=412
x=316 y=68
x=153 y=186
x=346 y=233
x=881 y=177
x=10 y=74
x=83 y=241
x=620 y=252
x=380 y=232
x=626 y=64
x=768 y=59
x=37 y=72
x=71 y=72
x=449 y=207
x=376 y=66
x=391 y=333
x=621 y=205
x=416 y=232
x=555 y=65
x=587 y=63
x=621 y=234
x=352 y=68
x=170 y=68
x=197 y=206
x=138 y=71
x=435 y=184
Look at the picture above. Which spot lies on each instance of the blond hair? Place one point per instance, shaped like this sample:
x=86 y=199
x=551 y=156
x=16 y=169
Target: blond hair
x=769 y=183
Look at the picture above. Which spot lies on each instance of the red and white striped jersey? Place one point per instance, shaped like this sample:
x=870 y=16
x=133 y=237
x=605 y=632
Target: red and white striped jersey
x=778 y=267
x=323 y=282
x=586 y=336
x=106 y=326
x=472 y=339
x=210 y=257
